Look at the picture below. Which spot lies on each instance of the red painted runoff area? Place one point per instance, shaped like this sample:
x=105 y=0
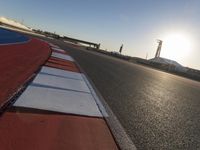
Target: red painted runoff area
x=17 y=63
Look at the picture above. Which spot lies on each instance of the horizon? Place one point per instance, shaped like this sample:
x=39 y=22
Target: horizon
x=134 y=24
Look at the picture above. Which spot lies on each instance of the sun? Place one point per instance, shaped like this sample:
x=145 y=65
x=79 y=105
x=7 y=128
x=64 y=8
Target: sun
x=176 y=46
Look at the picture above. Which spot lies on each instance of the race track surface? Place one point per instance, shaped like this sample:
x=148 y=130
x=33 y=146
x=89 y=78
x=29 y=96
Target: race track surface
x=158 y=110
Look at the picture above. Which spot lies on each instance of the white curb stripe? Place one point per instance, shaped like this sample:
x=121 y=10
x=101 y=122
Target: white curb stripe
x=62 y=56
x=58 y=49
x=62 y=83
x=96 y=98
x=61 y=73
x=59 y=101
x=53 y=45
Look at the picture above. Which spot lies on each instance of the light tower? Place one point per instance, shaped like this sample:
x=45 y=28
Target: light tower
x=159 y=48
x=120 y=50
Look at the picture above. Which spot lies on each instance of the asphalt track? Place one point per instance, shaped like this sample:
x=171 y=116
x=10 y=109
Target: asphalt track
x=158 y=110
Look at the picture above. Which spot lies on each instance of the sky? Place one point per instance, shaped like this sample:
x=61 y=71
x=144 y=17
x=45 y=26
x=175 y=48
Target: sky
x=135 y=23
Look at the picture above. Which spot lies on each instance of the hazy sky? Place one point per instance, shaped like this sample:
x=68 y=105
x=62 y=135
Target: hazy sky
x=135 y=23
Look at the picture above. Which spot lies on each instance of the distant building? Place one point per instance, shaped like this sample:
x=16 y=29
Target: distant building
x=168 y=64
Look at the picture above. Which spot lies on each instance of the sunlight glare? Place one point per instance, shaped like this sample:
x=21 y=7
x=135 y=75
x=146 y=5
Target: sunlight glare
x=176 y=46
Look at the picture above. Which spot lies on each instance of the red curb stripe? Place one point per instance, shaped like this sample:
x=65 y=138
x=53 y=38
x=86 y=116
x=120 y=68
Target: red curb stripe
x=54 y=132
x=63 y=67
x=61 y=62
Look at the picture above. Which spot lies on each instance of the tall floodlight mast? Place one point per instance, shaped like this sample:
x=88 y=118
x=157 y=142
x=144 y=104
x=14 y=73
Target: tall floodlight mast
x=159 y=48
x=120 y=50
